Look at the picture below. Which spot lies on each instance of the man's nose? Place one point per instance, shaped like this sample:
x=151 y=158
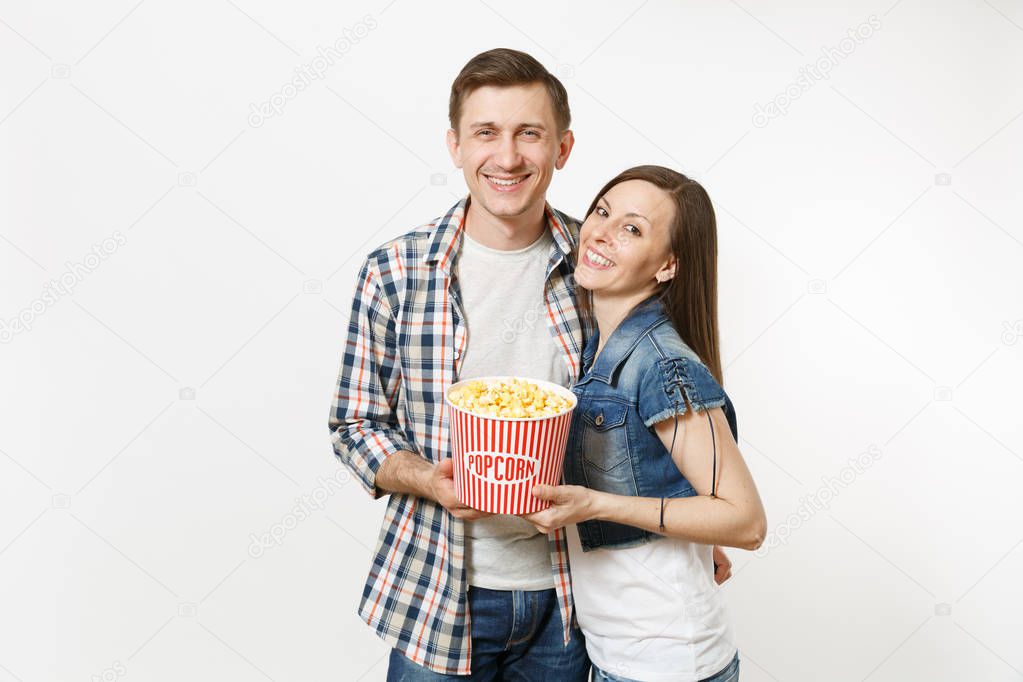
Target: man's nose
x=508 y=153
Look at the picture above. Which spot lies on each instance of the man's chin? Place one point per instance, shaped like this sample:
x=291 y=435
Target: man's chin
x=505 y=207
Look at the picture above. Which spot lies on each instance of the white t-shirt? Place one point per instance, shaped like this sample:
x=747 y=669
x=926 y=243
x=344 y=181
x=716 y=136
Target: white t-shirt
x=502 y=295
x=652 y=612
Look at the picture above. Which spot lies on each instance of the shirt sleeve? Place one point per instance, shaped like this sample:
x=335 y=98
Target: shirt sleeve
x=670 y=383
x=363 y=422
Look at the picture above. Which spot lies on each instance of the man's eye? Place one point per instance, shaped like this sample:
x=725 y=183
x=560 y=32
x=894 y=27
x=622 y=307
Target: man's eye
x=531 y=132
x=485 y=132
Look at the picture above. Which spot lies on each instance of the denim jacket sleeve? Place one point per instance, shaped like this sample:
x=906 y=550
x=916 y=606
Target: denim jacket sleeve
x=669 y=383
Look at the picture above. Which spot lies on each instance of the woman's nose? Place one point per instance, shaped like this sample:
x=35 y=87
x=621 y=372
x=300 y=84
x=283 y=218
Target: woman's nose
x=600 y=232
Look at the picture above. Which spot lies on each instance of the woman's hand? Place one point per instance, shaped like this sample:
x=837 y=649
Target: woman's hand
x=569 y=504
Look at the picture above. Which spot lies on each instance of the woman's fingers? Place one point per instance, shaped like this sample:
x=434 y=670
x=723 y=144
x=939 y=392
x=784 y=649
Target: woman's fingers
x=544 y=492
x=541 y=520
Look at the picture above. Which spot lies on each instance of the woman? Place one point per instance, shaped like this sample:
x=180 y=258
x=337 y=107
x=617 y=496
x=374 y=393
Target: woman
x=653 y=475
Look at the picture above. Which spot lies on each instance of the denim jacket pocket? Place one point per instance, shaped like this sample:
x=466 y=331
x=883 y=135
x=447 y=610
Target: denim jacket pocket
x=606 y=444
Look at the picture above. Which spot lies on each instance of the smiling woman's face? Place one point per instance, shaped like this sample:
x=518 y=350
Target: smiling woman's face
x=626 y=243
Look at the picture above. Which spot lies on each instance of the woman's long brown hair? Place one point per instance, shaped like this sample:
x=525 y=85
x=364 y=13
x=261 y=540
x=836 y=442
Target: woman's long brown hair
x=690 y=298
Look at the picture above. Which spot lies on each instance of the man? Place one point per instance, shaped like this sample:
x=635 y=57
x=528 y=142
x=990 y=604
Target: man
x=484 y=290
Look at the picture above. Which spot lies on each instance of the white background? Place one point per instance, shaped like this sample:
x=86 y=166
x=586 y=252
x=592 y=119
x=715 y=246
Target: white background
x=176 y=402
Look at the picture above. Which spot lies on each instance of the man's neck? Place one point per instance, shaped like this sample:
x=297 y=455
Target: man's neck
x=505 y=234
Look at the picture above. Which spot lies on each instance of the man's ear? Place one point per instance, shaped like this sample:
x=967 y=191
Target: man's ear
x=453 y=148
x=564 y=149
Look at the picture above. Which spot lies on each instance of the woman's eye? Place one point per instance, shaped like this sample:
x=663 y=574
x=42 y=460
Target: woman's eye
x=601 y=212
x=632 y=229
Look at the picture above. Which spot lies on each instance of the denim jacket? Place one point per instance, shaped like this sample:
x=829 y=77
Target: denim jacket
x=644 y=374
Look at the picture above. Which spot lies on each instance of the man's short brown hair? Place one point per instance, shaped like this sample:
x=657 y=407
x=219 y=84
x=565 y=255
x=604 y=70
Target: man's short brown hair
x=504 y=67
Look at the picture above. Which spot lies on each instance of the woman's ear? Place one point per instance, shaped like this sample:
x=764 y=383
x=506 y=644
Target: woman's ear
x=667 y=271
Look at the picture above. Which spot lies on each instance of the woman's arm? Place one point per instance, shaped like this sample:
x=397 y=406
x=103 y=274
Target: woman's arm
x=734 y=518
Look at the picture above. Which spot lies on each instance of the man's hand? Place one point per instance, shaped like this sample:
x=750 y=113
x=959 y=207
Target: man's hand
x=722 y=566
x=442 y=488
x=569 y=504
x=407 y=473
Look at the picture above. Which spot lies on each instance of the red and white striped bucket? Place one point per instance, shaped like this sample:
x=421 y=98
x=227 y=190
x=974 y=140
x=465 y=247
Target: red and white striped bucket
x=497 y=461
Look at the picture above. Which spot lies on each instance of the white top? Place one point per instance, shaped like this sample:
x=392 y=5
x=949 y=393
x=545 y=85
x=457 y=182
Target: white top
x=502 y=295
x=652 y=612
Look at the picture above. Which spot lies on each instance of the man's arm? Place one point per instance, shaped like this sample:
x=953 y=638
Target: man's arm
x=363 y=423
x=407 y=472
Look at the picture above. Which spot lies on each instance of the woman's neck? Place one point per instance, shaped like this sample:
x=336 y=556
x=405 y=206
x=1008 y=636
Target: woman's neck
x=610 y=310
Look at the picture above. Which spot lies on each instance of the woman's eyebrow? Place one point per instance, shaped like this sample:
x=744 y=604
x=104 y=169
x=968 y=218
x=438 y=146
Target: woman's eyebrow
x=627 y=215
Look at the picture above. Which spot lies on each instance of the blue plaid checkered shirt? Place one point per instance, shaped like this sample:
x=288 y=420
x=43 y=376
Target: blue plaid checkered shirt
x=405 y=339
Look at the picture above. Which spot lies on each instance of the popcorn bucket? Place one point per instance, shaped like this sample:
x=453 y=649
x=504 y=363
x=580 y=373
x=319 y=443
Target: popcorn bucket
x=497 y=461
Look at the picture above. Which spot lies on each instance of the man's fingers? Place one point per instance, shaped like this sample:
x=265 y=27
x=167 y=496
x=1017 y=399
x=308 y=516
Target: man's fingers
x=460 y=511
x=445 y=468
x=722 y=565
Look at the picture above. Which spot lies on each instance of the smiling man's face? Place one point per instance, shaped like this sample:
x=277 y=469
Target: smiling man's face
x=508 y=146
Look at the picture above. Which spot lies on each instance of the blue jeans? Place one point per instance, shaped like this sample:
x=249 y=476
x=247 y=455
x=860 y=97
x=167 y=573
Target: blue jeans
x=516 y=635
x=730 y=673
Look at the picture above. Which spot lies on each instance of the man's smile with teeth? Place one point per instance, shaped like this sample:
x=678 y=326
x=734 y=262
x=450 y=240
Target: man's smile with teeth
x=504 y=182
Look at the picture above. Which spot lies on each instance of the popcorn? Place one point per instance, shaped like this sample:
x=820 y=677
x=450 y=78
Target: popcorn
x=508 y=434
x=508 y=399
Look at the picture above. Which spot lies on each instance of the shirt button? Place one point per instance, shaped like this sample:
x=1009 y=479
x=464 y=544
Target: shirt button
x=458 y=354
x=599 y=420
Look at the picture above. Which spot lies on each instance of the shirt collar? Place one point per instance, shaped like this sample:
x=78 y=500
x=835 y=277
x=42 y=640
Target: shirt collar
x=446 y=243
x=644 y=317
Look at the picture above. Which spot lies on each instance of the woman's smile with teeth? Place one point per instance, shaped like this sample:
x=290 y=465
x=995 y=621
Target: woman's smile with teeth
x=596 y=259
